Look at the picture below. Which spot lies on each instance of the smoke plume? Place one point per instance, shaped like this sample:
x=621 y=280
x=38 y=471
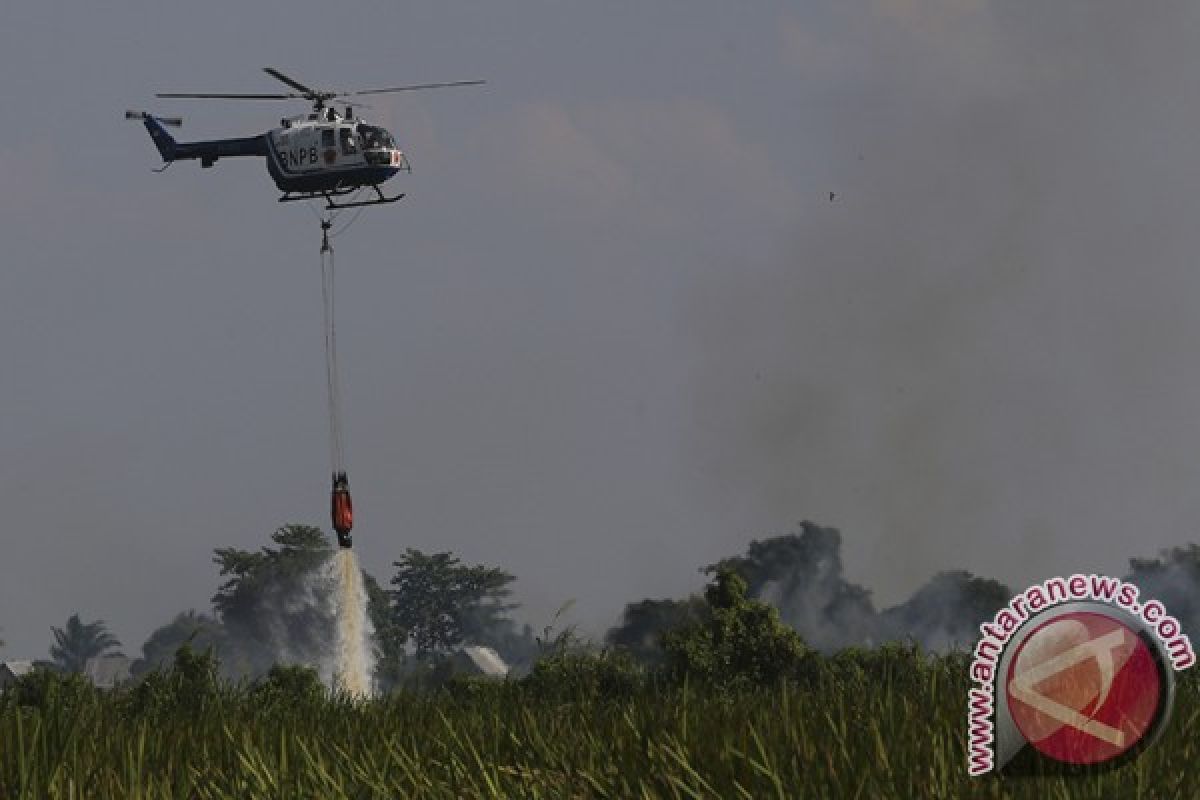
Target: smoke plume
x=981 y=352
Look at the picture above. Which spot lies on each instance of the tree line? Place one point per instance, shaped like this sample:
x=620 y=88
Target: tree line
x=273 y=607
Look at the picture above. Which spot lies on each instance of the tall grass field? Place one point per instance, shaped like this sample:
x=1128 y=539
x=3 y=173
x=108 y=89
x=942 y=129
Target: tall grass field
x=884 y=726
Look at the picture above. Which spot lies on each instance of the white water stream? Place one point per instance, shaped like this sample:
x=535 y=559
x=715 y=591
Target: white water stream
x=352 y=657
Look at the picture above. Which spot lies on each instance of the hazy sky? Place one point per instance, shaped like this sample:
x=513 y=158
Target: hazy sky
x=616 y=329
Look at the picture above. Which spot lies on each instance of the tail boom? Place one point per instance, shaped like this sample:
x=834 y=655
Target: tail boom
x=208 y=152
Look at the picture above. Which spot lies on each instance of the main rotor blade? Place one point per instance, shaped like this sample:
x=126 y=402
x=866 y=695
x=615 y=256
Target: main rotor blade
x=209 y=95
x=415 y=87
x=174 y=122
x=300 y=87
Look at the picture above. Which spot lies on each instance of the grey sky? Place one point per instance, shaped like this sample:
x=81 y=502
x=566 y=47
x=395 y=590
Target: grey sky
x=617 y=329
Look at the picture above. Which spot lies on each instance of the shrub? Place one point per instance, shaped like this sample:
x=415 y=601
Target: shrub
x=606 y=674
x=44 y=687
x=289 y=683
x=189 y=686
x=743 y=641
x=893 y=664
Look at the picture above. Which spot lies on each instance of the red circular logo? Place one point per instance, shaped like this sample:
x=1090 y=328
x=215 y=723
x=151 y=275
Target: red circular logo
x=1084 y=688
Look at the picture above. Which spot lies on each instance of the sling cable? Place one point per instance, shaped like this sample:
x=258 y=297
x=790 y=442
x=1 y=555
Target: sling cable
x=340 y=505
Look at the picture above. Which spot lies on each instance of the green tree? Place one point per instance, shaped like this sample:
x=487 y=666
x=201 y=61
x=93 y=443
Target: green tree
x=288 y=685
x=276 y=604
x=643 y=625
x=1173 y=579
x=573 y=673
x=46 y=688
x=801 y=575
x=391 y=662
x=276 y=600
x=743 y=641
x=198 y=630
x=946 y=612
x=186 y=688
x=79 y=641
x=438 y=603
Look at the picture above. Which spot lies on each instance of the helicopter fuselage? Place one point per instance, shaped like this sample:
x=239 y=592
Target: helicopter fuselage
x=314 y=154
x=321 y=153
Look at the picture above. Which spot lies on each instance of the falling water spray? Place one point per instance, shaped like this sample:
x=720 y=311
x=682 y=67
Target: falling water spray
x=352 y=658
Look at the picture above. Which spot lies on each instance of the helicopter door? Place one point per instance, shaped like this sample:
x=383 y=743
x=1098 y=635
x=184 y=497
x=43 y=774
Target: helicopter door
x=328 y=152
x=349 y=146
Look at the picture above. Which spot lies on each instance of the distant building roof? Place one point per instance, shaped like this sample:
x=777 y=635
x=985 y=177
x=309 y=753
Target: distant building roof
x=107 y=672
x=16 y=669
x=484 y=660
x=11 y=670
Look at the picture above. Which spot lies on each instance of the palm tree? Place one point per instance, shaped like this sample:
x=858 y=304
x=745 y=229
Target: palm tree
x=78 y=642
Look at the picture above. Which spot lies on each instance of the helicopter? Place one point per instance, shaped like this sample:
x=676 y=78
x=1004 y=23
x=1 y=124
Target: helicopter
x=321 y=155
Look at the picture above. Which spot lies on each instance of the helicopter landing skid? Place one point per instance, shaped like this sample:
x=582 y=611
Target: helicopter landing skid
x=327 y=196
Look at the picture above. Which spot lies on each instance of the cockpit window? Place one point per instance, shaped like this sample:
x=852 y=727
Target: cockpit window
x=374 y=138
x=349 y=146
